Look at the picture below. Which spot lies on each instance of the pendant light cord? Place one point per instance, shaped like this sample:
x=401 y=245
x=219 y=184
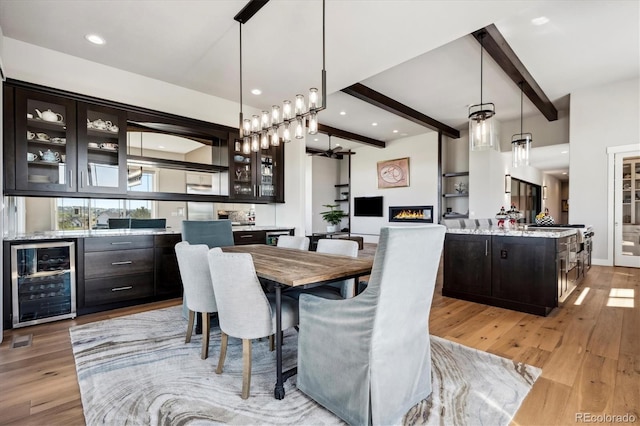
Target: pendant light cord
x=520 y=108
x=481 y=51
x=241 y=116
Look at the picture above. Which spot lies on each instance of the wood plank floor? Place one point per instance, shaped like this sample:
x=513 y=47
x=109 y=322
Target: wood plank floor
x=588 y=349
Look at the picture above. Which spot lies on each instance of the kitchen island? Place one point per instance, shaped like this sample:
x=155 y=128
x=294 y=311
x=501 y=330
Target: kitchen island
x=528 y=270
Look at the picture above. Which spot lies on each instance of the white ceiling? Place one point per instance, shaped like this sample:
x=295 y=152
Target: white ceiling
x=415 y=51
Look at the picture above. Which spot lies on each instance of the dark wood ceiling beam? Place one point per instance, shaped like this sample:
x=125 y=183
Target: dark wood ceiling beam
x=344 y=134
x=496 y=45
x=369 y=95
x=249 y=10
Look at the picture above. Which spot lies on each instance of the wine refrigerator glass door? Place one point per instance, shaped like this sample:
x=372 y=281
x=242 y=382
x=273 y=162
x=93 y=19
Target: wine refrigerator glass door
x=43 y=282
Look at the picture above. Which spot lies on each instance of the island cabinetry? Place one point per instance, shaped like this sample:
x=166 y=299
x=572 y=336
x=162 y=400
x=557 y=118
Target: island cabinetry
x=118 y=269
x=524 y=270
x=168 y=281
x=467 y=265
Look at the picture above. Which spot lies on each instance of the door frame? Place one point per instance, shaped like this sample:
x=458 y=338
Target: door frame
x=613 y=235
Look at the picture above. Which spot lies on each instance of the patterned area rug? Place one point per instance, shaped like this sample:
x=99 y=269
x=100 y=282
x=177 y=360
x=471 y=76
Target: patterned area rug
x=136 y=370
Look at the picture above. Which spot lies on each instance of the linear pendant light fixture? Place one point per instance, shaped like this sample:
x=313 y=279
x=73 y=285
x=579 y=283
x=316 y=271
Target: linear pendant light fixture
x=521 y=142
x=482 y=134
x=269 y=128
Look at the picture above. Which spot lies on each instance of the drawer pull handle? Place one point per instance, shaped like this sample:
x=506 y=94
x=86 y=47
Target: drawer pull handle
x=124 y=262
x=246 y=236
x=129 y=287
x=120 y=243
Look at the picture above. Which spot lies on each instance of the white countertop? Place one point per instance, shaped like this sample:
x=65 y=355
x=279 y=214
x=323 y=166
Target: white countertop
x=515 y=232
x=48 y=235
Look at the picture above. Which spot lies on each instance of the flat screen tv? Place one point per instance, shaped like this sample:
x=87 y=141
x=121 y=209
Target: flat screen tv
x=367 y=206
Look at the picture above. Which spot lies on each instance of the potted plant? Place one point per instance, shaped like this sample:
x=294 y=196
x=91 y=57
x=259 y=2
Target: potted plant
x=333 y=217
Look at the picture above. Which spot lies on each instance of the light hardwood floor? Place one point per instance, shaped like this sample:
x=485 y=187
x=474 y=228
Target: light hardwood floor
x=589 y=352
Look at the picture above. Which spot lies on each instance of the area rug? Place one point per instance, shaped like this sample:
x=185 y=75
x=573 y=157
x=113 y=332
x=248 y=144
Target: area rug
x=137 y=370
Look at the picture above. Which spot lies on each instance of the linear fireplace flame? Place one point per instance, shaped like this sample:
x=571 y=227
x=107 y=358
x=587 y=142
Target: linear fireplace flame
x=411 y=214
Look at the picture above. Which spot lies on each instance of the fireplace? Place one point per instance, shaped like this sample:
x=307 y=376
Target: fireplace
x=422 y=214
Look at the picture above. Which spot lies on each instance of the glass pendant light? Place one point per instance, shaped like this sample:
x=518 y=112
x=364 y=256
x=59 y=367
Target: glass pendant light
x=313 y=98
x=255 y=143
x=275 y=115
x=264 y=140
x=521 y=142
x=300 y=128
x=275 y=138
x=313 y=123
x=482 y=132
x=246 y=145
x=286 y=110
x=286 y=133
x=299 y=106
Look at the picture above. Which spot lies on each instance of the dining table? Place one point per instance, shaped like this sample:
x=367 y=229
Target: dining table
x=285 y=267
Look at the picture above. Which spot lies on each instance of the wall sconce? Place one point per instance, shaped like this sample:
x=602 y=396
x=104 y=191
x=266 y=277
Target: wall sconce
x=544 y=192
x=507 y=184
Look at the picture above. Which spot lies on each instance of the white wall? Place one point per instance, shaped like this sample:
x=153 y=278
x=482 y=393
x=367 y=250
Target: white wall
x=422 y=151
x=601 y=117
x=326 y=174
x=554 y=197
x=544 y=132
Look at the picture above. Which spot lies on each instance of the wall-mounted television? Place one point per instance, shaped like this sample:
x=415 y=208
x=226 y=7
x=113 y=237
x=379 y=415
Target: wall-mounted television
x=367 y=206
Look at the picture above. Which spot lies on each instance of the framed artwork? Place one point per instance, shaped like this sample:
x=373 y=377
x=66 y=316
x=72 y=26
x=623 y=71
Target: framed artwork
x=565 y=206
x=393 y=173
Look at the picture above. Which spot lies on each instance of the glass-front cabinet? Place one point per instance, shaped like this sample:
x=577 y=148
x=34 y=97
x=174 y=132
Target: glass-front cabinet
x=102 y=151
x=257 y=176
x=45 y=150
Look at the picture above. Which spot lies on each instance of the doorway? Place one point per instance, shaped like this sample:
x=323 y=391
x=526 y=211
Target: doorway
x=627 y=209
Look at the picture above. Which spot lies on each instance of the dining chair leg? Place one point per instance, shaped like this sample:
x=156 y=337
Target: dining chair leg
x=272 y=343
x=246 y=368
x=190 y=326
x=206 y=325
x=223 y=351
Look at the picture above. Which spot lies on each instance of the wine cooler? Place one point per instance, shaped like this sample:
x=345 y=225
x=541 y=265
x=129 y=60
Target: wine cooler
x=43 y=282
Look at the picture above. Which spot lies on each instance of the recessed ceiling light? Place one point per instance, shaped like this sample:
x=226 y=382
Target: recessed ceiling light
x=564 y=173
x=315 y=139
x=541 y=20
x=337 y=145
x=343 y=113
x=564 y=152
x=395 y=131
x=374 y=124
x=95 y=39
x=256 y=91
x=161 y=146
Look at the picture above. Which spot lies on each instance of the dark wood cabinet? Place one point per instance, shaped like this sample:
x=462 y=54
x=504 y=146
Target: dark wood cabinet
x=523 y=268
x=45 y=142
x=521 y=273
x=249 y=237
x=467 y=264
x=258 y=175
x=168 y=282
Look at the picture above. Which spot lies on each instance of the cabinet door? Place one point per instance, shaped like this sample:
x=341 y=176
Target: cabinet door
x=467 y=264
x=257 y=175
x=242 y=173
x=102 y=150
x=167 y=273
x=524 y=270
x=45 y=142
x=271 y=174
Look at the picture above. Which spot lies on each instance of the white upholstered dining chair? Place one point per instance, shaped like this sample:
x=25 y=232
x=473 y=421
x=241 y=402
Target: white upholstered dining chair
x=368 y=359
x=290 y=241
x=244 y=310
x=198 y=290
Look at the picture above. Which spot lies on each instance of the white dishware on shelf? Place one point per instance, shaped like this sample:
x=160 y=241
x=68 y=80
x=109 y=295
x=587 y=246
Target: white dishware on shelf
x=42 y=137
x=30 y=135
x=49 y=115
x=31 y=156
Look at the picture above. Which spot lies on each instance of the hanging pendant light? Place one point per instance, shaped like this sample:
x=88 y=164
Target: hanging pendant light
x=521 y=142
x=264 y=130
x=482 y=133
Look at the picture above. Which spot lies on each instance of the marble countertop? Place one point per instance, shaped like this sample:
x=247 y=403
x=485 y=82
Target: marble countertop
x=49 y=235
x=515 y=232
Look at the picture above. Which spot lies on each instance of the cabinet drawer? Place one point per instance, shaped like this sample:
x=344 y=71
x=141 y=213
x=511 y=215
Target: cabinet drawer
x=169 y=240
x=99 y=291
x=116 y=263
x=249 y=237
x=124 y=242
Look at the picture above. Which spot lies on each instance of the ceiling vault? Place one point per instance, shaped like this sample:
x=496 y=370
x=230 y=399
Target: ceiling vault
x=369 y=95
x=496 y=45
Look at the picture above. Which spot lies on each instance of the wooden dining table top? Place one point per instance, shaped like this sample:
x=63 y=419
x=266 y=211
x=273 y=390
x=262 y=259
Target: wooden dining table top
x=293 y=267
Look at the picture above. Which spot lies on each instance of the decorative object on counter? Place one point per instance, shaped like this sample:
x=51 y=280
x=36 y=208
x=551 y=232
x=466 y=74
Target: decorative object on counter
x=521 y=142
x=460 y=187
x=49 y=115
x=482 y=133
x=508 y=218
x=258 y=133
x=543 y=218
x=565 y=205
x=333 y=217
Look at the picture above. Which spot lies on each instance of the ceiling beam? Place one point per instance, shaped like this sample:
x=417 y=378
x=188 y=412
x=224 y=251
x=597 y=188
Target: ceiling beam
x=249 y=10
x=496 y=45
x=343 y=134
x=369 y=95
